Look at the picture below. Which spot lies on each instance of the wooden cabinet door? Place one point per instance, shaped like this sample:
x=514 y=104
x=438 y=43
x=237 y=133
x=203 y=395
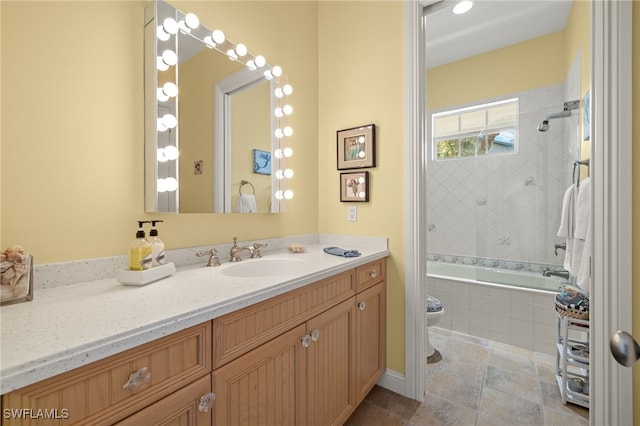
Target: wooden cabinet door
x=263 y=386
x=329 y=397
x=185 y=407
x=370 y=346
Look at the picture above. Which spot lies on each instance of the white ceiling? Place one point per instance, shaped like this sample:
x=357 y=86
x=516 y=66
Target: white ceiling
x=489 y=25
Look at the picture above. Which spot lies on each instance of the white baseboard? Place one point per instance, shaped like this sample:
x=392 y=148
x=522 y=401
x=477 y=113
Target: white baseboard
x=393 y=381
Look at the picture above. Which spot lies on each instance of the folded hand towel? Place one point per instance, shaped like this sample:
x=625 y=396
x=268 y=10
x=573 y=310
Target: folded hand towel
x=247 y=203
x=337 y=251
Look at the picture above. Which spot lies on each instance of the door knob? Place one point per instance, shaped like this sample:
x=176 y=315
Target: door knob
x=624 y=348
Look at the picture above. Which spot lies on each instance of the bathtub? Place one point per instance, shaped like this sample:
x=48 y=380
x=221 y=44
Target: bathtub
x=513 y=307
x=494 y=277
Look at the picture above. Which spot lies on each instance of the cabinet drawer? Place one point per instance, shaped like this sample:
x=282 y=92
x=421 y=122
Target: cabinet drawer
x=186 y=407
x=370 y=274
x=103 y=392
x=239 y=332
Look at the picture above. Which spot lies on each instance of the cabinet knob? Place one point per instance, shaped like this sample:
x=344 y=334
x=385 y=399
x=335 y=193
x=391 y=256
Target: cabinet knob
x=306 y=340
x=362 y=305
x=138 y=379
x=373 y=273
x=315 y=334
x=206 y=402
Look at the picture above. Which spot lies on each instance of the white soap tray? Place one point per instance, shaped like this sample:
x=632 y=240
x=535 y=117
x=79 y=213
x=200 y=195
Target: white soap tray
x=147 y=276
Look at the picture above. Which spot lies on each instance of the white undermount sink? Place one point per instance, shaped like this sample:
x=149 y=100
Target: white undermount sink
x=263 y=267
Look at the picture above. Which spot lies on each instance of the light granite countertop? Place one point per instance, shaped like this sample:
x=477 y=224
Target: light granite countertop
x=69 y=326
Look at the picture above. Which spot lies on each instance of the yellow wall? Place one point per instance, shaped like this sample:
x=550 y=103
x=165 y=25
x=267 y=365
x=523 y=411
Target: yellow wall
x=636 y=202
x=361 y=82
x=72 y=125
x=531 y=64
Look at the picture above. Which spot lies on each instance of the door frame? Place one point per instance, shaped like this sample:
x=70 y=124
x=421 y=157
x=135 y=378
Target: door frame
x=611 y=29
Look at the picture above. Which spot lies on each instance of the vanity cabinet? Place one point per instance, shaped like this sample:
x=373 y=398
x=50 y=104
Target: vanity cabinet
x=319 y=369
x=305 y=357
x=109 y=390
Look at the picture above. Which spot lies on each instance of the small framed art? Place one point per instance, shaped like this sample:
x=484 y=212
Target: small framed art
x=261 y=162
x=354 y=186
x=357 y=147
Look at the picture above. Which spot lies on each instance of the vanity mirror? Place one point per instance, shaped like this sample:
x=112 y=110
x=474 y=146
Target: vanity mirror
x=216 y=121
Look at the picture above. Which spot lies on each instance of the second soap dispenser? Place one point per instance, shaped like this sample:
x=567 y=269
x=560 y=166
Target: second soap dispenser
x=157 y=246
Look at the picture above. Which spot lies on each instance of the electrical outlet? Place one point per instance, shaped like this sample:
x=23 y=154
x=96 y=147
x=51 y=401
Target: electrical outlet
x=352 y=215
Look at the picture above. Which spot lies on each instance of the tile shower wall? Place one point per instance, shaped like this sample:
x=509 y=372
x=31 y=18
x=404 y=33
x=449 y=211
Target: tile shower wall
x=507 y=206
x=517 y=317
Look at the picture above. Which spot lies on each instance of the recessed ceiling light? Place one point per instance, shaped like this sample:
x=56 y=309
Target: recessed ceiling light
x=462 y=7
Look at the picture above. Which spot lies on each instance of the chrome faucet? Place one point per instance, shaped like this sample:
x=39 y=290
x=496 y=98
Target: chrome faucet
x=562 y=274
x=254 y=250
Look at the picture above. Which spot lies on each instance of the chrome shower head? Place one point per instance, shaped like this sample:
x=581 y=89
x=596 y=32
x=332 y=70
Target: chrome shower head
x=566 y=112
x=544 y=126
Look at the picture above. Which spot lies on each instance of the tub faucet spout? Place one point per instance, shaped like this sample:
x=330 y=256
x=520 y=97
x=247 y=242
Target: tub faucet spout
x=562 y=274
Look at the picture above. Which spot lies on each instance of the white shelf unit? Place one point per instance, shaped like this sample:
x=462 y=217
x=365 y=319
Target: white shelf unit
x=572 y=334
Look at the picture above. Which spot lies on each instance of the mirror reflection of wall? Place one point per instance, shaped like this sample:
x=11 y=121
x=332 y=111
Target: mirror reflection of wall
x=507 y=206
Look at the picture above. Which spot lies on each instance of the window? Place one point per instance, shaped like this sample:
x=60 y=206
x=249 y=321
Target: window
x=487 y=129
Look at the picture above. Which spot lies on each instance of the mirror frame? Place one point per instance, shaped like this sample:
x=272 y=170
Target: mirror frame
x=168 y=202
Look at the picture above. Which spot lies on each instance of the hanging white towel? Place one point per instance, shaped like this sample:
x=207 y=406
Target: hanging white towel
x=582 y=234
x=247 y=204
x=567 y=224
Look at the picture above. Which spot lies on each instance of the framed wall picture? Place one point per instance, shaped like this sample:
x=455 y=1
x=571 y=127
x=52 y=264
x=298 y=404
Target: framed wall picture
x=357 y=147
x=261 y=162
x=354 y=186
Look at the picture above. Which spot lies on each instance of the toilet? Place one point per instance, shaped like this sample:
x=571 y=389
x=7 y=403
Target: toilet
x=434 y=314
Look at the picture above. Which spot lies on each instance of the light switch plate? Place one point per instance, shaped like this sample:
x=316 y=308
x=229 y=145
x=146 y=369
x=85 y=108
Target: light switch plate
x=352 y=214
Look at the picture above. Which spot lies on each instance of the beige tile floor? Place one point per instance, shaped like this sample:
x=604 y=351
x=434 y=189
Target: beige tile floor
x=478 y=382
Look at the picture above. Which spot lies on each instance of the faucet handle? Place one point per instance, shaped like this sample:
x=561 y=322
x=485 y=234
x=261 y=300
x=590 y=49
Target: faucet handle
x=214 y=260
x=256 y=249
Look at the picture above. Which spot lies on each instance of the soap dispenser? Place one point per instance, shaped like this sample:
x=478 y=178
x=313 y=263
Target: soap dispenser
x=157 y=246
x=140 y=250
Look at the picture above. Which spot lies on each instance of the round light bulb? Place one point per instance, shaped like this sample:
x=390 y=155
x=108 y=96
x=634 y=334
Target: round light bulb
x=287 y=89
x=241 y=49
x=279 y=134
x=162 y=97
x=251 y=65
x=288 y=152
x=278 y=153
x=161 y=185
x=172 y=184
x=288 y=173
x=260 y=61
x=268 y=75
x=218 y=36
x=170 y=89
x=279 y=195
x=170 y=26
x=160 y=125
x=184 y=29
x=208 y=40
x=170 y=121
x=161 y=157
x=232 y=54
x=288 y=194
x=161 y=65
x=462 y=7
x=288 y=131
x=191 y=20
x=279 y=174
x=278 y=112
x=171 y=152
x=277 y=71
x=169 y=57
x=287 y=109
x=162 y=34
x=279 y=93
